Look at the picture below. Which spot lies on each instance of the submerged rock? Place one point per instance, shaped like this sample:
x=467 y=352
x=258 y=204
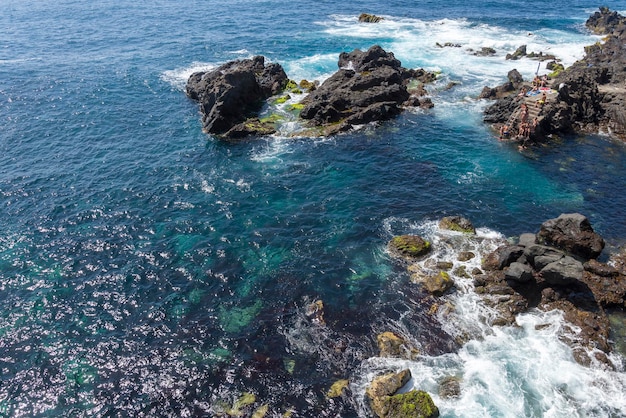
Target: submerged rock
x=457 y=223
x=338 y=388
x=392 y=345
x=450 y=387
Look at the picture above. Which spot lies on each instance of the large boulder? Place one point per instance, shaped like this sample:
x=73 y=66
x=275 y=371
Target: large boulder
x=573 y=233
x=231 y=93
x=385 y=386
x=387 y=404
x=369 y=86
x=409 y=247
x=519 y=272
x=563 y=272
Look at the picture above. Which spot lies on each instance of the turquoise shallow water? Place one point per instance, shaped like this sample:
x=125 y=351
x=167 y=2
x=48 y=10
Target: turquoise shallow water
x=147 y=269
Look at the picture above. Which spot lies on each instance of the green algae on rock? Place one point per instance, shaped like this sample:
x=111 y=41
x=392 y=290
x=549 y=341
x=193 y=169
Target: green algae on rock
x=409 y=246
x=458 y=224
x=413 y=404
x=338 y=388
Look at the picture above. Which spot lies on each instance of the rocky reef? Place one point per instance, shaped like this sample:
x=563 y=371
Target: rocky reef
x=562 y=267
x=590 y=95
x=370 y=86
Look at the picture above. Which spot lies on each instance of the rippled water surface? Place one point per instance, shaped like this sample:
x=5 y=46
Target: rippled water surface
x=147 y=269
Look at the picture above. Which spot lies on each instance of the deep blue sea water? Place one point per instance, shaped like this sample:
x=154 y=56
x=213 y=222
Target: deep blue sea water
x=148 y=269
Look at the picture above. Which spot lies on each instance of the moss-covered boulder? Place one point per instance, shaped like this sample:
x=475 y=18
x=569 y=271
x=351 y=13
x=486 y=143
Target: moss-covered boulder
x=410 y=247
x=413 y=404
x=307 y=85
x=438 y=284
x=383 y=387
x=392 y=345
x=458 y=224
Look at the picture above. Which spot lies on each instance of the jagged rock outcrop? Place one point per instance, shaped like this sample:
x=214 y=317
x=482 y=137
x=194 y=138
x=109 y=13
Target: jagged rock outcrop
x=515 y=81
x=557 y=269
x=591 y=93
x=572 y=232
x=231 y=93
x=369 y=86
x=369 y=18
x=521 y=52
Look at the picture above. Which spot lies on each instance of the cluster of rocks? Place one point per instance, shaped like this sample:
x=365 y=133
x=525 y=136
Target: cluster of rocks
x=591 y=93
x=557 y=268
x=369 y=86
x=521 y=52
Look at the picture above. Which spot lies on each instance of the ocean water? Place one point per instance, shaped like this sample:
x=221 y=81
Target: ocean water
x=148 y=269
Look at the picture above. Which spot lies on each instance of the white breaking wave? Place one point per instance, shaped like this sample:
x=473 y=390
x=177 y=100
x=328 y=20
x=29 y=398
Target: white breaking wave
x=179 y=76
x=418 y=43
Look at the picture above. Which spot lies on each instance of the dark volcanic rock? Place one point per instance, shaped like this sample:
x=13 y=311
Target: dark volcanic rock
x=563 y=271
x=232 y=92
x=519 y=272
x=369 y=86
x=573 y=233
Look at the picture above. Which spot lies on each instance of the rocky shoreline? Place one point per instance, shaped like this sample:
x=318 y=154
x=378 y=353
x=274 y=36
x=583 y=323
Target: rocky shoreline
x=590 y=95
x=556 y=268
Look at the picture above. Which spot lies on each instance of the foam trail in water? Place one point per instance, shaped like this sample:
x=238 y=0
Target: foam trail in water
x=179 y=76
